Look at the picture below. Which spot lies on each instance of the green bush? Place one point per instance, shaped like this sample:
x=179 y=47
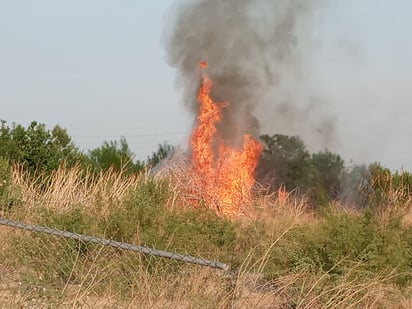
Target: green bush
x=144 y=216
x=116 y=155
x=5 y=177
x=8 y=197
x=74 y=220
x=343 y=242
x=284 y=161
x=37 y=148
x=327 y=176
x=143 y=219
x=60 y=261
x=162 y=152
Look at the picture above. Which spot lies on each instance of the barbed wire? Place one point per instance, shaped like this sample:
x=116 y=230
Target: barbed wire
x=116 y=244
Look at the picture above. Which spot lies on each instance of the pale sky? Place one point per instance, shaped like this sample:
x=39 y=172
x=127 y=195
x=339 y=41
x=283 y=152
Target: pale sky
x=99 y=68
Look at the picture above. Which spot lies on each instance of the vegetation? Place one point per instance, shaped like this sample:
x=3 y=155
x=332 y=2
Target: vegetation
x=324 y=178
x=116 y=155
x=342 y=240
x=37 y=148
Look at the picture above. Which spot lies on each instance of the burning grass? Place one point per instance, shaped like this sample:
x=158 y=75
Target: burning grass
x=189 y=191
x=223 y=171
x=284 y=256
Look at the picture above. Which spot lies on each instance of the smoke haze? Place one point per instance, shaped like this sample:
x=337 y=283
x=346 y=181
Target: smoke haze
x=246 y=44
x=317 y=69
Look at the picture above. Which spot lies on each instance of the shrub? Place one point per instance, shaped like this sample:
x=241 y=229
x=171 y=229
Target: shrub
x=5 y=176
x=144 y=216
x=341 y=242
x=328 y=169
x=37 y=148
x=162 y=152
x=8 y=197
x=116 y=155
x=284 y=160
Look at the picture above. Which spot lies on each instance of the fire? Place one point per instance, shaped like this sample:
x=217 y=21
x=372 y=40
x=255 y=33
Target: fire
x=226 y=174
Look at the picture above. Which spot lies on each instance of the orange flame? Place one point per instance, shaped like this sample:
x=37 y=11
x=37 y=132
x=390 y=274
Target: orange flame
x=226 y=173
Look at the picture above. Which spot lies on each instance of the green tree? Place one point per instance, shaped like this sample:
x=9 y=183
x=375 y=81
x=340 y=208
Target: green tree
x=114 y=154
x=284 y=160
x=37 y=148
x=328 y=170
x=162 y=152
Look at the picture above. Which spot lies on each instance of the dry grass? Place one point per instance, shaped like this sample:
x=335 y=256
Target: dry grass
x=190 y=190
x=107 y=278
x=196 y=287
x=67 y=188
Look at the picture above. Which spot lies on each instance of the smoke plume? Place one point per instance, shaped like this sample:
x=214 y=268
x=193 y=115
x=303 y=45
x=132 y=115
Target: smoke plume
x=336 y=73
x=251 y=48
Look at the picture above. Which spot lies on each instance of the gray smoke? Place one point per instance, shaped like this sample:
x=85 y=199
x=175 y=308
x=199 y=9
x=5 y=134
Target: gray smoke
x=252 y=48
x=336 y=73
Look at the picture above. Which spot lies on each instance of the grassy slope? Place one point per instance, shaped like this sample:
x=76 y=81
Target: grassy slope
x=286 y=257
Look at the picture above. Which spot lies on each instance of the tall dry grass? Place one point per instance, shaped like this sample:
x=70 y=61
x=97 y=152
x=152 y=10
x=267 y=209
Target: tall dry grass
x=72 y=187
x=106 y=278
x=195 y=287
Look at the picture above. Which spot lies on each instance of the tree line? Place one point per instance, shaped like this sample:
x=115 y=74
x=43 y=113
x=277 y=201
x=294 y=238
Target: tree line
x=285 y=162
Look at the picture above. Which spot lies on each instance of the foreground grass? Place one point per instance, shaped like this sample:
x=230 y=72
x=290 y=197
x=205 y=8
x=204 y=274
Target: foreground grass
x=285 y=257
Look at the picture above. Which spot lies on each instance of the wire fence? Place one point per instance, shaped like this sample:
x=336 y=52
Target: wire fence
x=116 y=244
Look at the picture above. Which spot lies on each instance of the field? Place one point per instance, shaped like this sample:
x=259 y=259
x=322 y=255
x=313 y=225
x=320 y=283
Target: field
x=286 y=255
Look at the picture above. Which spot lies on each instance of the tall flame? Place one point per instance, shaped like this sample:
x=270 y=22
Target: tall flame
x=226 y=173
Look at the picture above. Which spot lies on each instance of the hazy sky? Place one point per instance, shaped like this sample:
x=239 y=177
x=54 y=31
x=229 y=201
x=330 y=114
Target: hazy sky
x=99 y=68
